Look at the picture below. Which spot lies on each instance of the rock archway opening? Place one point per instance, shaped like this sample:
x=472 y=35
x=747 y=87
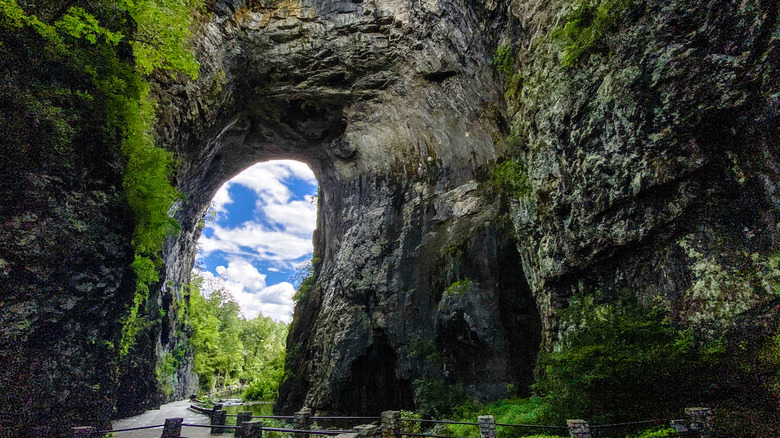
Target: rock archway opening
x=397 y=111
x=257 y=233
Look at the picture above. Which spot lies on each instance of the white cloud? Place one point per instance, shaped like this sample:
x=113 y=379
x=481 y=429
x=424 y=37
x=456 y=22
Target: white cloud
x=266 y=179
x=221 y=199
x=299 y=217
x=247 y=285
x=254 y=240
x=280 y=233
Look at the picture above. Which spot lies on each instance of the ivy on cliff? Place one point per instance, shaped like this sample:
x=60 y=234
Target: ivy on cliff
x=87 y=46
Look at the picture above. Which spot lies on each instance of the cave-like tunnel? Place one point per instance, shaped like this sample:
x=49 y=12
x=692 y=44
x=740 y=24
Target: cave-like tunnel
x=396 y=109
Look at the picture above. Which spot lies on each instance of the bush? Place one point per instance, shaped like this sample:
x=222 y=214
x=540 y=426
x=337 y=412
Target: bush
x=609 y=354
x=262 y=389
x=436 y=399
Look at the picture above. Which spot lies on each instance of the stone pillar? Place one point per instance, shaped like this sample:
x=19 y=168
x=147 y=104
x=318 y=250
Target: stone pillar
x=242 y=418
x=218 y=419
x=487 y=426
x=172 y=428
x=302 y=421
x=679 y=426
x=391 y=424
x=82 y=432
x=578 y=428
x=701 y=419
x=252 y=429
x=367 y=430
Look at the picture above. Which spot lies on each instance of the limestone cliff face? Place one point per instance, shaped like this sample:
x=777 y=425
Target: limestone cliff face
x=396 y=108
x=651 y=163
x=653 y=160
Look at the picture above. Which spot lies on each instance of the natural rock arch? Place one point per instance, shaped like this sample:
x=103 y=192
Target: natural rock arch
x=396 y=108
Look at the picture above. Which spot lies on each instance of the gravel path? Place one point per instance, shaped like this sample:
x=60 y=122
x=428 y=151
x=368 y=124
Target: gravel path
x=157 y=417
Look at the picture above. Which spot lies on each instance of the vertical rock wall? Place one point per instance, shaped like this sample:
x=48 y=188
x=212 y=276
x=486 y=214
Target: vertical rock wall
x=652 y=160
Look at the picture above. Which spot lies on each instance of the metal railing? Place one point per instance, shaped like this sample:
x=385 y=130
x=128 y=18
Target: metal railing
x=390 y=426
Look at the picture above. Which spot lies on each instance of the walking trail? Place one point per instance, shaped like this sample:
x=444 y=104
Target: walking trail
x=156 y=417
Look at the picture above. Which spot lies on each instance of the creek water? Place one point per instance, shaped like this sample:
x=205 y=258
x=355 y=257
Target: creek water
x=234 y=406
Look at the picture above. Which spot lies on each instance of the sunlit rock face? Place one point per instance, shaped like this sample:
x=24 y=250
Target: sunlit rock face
x=398 y=110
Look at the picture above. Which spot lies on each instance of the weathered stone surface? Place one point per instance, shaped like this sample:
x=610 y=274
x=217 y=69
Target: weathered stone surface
x=653 y=162
x=394 y=106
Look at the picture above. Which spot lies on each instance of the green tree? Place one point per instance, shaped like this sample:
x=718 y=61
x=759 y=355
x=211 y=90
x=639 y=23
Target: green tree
x=230 y=349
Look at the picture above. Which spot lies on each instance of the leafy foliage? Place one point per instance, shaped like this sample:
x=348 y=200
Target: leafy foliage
x=435 y=399
x=586 y=26
x=160 y=40
x=608 y=353
x=230 y=349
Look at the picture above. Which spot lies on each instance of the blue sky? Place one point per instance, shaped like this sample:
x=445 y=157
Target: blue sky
x=265 y=218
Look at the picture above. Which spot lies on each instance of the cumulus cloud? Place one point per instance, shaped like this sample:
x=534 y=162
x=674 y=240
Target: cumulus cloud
x=279 y=233
x=284 y=225
x=247 y=285
x=255 y=240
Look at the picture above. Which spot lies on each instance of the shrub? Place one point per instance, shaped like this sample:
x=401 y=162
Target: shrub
x=586 y=26
x=609 y=353
x=436 y=399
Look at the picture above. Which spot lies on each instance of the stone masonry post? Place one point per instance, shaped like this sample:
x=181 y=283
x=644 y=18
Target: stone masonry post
x=242 y=418
x=218 y=418
x=391 y=424
x=252 y=429
x=368 y=431
x=172 y=428
x=701 y=419
x=487 y=426
x=578 y=428
x=302 y=421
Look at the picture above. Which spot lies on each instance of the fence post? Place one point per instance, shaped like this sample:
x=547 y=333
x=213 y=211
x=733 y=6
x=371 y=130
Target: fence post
x=302 y=421
x=487 y=426
x=172 y=428
x=391 y=424
x=82 y=431
x=218 y=419
x=679 y=426
x=578 y=428
x=701 y=419
x=242 y=418
x=252 y=429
